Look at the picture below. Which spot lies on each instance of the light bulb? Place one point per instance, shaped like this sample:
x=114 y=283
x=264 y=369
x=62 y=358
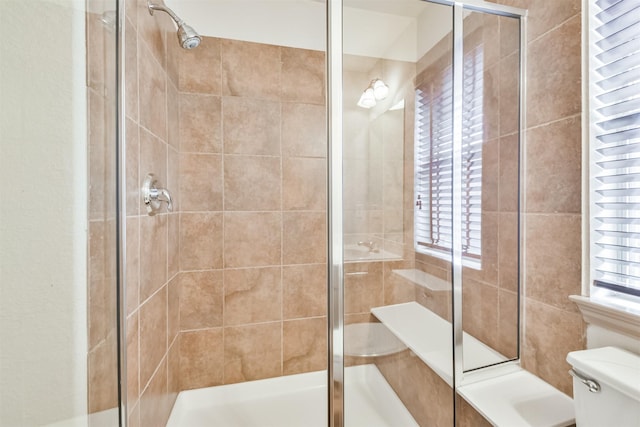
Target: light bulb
x=380 y=90
x=368 y=99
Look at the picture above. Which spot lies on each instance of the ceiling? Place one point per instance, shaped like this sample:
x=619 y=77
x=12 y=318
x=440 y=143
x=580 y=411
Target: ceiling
x=390 y=29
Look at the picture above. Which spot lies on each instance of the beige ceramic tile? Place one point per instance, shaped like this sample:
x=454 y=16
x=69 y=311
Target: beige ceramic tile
x=133 y=264
x=201 y=359
x=134 y=416
x=173 y=179
x=173 y=373
x=480 y=312
x=153 y=160
x=133 y=385
x=303 y=76
x=304 y=237
x=132 y=152
x=509 y=35
x=173 y=309
x=252 y=183
x=304 y=345
x=553 y=259
x=491 y=102
x=151 y=32
x=304 y=130
x=251 y=126
x=153 y=254
x=153 y=94
x=252 y=352
x=173 y=256
x=490 y=175
x=553 y=74
x=131 y=71
x=95 y=52
x=201 y=299
x=200 y=69
x=508 y=324
x=97 y=255
x=200 y=123
x=304 y=291
x=101 y=309
x=153 y=335
x=250 y=69
x=508 y=83
x=363 y=286
x=173 y=116
x=488 y=271
x=543 y=16
x=200 y=241
x=509 y=173
x=252 y=295
x=97 y=156
x=397 y=289
x=201 y=182
x=554 y=180
x=102 y=368
x=252 y=239
x=409 y=377
x=551 y=334
x=508 y=251
x=304 y=183
x=154 y=410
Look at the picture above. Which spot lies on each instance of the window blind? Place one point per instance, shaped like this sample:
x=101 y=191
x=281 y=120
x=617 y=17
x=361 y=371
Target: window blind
x=434 y=156
x=615 y=145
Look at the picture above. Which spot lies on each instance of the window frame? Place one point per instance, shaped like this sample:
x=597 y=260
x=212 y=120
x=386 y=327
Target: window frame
x=615 y=301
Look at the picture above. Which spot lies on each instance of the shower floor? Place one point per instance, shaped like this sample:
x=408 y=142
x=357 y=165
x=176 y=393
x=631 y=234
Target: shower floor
x=292 y=401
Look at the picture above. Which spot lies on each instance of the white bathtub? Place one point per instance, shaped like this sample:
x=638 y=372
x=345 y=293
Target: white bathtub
x=292 y=401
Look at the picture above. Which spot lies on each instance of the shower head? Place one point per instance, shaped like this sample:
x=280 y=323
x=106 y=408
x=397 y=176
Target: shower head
x=187 y=36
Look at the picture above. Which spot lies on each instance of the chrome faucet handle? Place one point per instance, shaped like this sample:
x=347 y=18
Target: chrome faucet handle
x=152 y=196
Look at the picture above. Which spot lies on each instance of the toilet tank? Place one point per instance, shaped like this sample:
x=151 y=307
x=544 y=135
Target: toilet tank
x=616 y=375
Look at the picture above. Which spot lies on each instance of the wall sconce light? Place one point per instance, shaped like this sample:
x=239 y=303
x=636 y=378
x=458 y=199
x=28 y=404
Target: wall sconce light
x=376 y=91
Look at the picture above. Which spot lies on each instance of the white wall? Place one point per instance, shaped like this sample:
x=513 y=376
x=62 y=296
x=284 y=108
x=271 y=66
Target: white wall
x=387 y=30
x=43 y=205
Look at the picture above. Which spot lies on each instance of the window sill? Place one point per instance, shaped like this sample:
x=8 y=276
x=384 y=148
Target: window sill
x=608 y=316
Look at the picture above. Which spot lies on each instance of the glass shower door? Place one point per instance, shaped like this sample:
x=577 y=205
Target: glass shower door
x=397 y=184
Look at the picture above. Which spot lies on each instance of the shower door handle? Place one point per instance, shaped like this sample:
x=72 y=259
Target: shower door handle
x=152 y=196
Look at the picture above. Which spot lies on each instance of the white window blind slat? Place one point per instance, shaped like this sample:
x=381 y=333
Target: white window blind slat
x=615 y=159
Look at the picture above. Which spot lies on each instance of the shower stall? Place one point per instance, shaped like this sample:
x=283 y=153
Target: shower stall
x=302 y=212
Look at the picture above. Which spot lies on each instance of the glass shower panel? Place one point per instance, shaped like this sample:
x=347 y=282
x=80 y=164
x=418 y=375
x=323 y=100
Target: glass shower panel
x=490 y=188
x=58 y=238
x=397 y=170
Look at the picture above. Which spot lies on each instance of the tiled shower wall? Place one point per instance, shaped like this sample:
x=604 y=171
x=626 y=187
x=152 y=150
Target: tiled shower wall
x=152 y=258
x=252 y=212
x=553 y=325
x=102 y=236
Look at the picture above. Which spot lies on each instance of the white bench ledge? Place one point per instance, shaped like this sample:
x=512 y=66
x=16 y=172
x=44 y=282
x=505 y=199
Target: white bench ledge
x=420 y=278
x=519 y=399
x=506 y=395
x=429 y=336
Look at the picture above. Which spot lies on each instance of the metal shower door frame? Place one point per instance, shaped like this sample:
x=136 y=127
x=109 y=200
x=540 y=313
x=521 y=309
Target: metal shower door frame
x=335 y=332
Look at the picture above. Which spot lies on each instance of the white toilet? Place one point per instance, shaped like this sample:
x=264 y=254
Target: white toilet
x=606 y=387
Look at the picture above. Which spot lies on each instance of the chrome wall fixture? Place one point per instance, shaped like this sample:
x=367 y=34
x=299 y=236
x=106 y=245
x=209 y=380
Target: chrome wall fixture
x=187 y=36
x=152 y=196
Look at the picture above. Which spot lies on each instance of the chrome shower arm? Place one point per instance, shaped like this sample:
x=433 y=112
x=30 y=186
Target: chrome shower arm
x=153 y=7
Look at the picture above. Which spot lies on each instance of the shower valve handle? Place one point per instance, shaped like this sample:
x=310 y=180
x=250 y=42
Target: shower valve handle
x=153 y=196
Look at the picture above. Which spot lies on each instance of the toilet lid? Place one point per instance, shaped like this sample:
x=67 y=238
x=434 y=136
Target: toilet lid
x=617 y=368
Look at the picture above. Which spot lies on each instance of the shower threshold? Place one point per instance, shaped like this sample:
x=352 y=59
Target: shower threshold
x=292 y=401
